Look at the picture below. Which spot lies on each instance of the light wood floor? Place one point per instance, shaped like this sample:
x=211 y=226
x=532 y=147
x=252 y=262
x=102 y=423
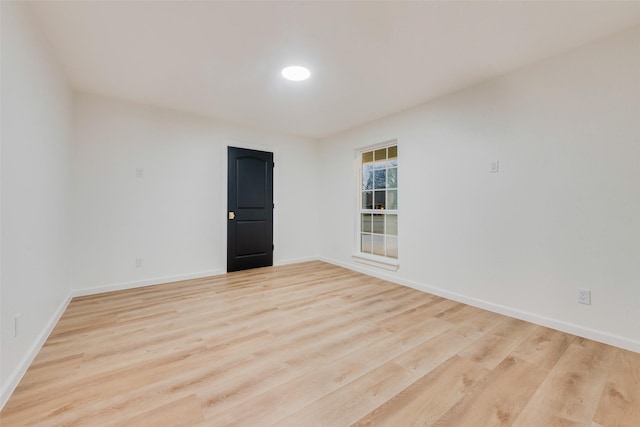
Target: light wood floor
x=314 y=345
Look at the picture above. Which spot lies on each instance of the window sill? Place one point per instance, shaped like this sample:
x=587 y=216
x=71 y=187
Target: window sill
x=377 y=261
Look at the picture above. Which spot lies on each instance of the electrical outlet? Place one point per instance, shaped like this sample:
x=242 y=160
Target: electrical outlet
x=584 y=296
x=138 y=262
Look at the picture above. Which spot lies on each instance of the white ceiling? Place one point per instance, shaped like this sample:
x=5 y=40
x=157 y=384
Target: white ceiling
x=368 y=59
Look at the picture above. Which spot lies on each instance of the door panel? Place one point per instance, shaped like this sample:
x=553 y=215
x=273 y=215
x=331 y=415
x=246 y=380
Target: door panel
x=250 y=199
x=250 y=191
x=251 y=238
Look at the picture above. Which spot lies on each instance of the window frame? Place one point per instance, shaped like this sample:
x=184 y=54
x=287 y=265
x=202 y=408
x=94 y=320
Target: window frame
x=371 y=259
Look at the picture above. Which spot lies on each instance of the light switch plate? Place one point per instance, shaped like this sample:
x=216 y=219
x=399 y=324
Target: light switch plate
x=494 y=167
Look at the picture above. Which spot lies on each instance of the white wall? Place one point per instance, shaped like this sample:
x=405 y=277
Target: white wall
x=36 y=192
x=74 y=215
x=562 y=213
x=175 y=216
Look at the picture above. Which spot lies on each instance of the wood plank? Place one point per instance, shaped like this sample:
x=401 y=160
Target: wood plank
x=314 y=344
x=282 y=401
x=500 y=398
x=347 y=404
x=620 y=400
x=492 y=348
x=569 y=394
x=180 y=413
x=544 y=347
x=430 y=397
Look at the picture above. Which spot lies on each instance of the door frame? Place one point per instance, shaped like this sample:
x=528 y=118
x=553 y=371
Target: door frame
x=225 y=181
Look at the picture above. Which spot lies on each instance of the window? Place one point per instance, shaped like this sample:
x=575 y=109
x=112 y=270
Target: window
x=378 y=213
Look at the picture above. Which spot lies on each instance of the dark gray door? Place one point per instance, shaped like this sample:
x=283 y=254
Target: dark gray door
x=250 y=209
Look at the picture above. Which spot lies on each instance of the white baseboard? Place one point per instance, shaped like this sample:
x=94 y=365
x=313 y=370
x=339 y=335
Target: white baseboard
x=296 y=260
x=581 y=331
x=142 y=283
x=14 y=378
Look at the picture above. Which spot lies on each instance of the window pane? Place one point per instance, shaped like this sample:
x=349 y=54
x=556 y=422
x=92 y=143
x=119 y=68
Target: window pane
x=378 y=223
x=366 y=223
x=379 y=193
x=381 y=154
x=378 y=245
x=392 y=178
x=392 y=225
x=379 y=202
x=392 y=247
x=392 y=199
x=393 y=156
x=380 y=178
x=366 y=243
x=367 y=177
x=367 y=200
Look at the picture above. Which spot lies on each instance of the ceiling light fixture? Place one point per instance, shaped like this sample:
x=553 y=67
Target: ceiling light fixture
x=296 y=73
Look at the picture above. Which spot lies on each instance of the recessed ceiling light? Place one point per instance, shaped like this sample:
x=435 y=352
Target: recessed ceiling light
x=296 y=73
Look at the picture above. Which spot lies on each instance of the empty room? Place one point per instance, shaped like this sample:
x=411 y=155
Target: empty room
x=320 y=213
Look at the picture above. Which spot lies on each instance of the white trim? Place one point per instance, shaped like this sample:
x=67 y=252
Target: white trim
x=296 y=260
x=387 y=143
x=142 y=283
x=15 y=377
x=571 y=328
x=376 y=261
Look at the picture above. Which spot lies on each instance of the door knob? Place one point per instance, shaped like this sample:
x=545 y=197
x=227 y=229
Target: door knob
x=232 y=215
